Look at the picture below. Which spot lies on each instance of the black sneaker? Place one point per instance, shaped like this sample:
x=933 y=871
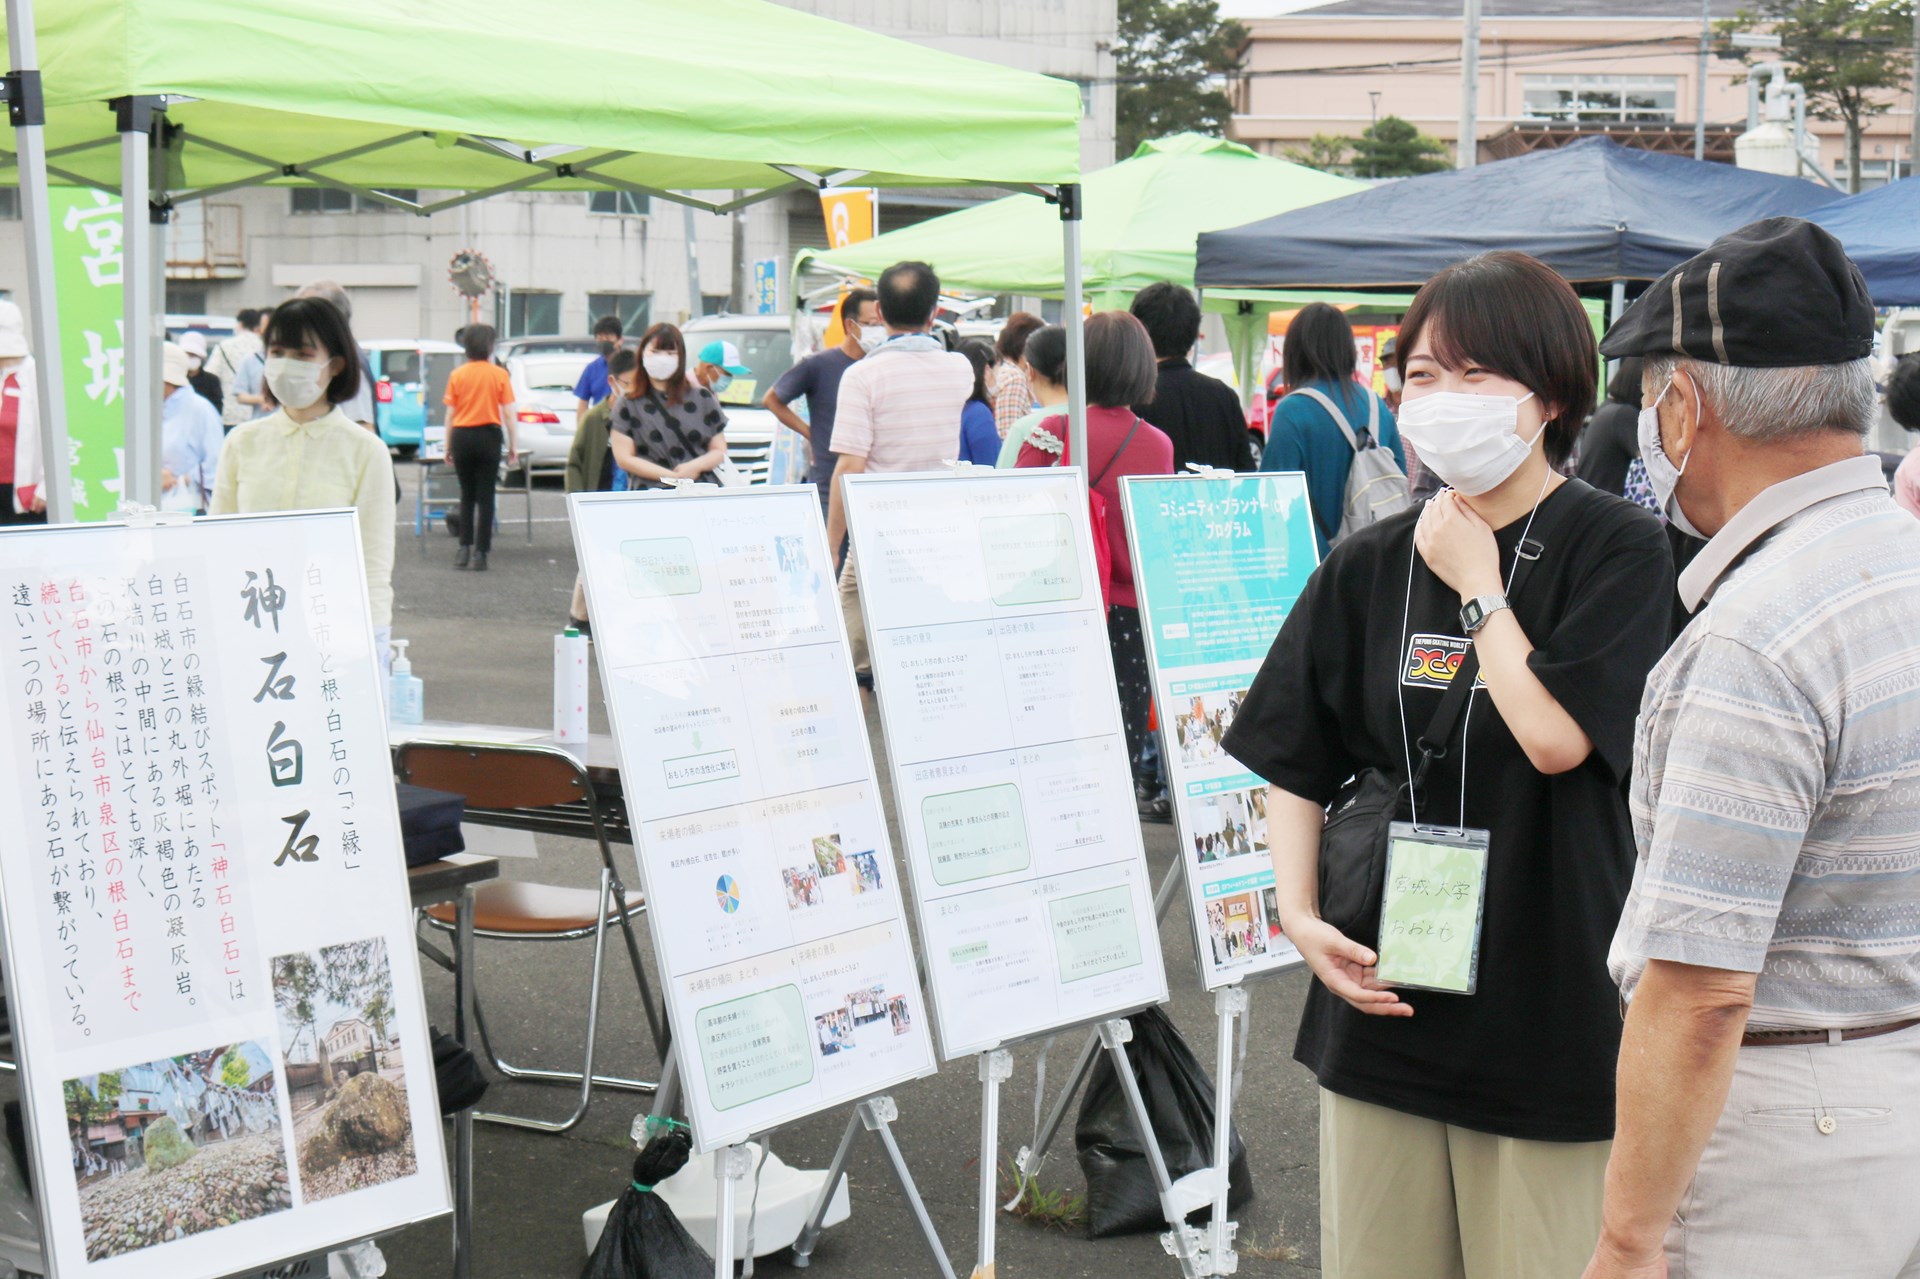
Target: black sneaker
x=462 y=557
x=479 y=561
x=580 y=624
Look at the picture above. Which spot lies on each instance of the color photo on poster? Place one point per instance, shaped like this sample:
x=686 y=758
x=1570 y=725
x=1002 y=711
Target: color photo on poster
x=174 y=1147
x=338 y=1030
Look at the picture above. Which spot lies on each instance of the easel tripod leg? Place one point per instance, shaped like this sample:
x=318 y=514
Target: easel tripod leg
x=1113 y=1037
x=809 y=1235
x=996 y=1067
x=880 y=1112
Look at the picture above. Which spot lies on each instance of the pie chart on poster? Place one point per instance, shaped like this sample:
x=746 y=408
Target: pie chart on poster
x=728 y=894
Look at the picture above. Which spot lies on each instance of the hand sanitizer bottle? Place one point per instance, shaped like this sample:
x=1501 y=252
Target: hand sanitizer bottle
x=409 y=694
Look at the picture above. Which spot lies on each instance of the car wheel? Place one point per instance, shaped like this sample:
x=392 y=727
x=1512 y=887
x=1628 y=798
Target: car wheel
x=1258 y=444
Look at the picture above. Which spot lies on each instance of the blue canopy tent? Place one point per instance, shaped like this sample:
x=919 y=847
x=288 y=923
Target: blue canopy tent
x=1881 y=232
x=1594 y=211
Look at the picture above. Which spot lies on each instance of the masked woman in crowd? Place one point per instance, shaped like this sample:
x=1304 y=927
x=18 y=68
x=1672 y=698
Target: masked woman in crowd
x=1464 y=1131
x=672 y=427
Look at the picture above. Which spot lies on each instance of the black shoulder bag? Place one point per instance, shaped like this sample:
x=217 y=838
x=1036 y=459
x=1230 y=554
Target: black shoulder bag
x=1353 y=844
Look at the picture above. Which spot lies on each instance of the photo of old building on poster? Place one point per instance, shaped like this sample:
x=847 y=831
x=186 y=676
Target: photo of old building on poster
x=345 y=1081
x=173 y=1147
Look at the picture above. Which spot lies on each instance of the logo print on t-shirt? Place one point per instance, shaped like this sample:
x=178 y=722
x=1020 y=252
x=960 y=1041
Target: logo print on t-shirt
x=1433 y=660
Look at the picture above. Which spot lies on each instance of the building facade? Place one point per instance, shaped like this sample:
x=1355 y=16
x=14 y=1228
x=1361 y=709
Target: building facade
x=563 y=259
x=1549 y=69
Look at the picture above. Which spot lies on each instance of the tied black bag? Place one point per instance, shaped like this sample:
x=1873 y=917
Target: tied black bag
x=1121 y=1195
x=1353 y=843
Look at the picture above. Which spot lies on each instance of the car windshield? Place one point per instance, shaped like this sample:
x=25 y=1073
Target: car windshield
x=548 y=372
x=768 y=352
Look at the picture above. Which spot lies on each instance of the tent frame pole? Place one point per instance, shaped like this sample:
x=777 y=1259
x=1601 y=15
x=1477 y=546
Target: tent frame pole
x=1075 y=322
x=27 y=110
x=135 y=121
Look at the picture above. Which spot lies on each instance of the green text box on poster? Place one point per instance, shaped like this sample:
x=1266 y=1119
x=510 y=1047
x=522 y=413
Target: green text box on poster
x=974 y=834
x=1094 y=933
x=1031 y=559
x=88 y=280
x=754 y=1047
x=1430 y=915
x=659 y=566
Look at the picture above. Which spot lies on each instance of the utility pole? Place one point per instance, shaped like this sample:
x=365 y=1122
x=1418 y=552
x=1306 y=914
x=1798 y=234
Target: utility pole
x=1700 y=119
x=1913 y=142
x=1467 y=151
x=1373 y=129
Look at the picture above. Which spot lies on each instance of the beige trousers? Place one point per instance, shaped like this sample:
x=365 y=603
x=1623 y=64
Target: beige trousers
x=1409 y=1198
x=1776 y=1197
x=850 y=610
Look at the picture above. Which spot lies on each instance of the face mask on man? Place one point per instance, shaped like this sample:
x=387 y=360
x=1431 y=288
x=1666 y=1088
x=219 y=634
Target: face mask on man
x=660 y=365
x=721 y=381
x=297 y=384
x=872 y=337
x=1662 y=475
x=607 y=347
x=1472 y=442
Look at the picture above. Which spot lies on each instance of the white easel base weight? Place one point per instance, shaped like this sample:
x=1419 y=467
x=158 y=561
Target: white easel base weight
x=786 y=1194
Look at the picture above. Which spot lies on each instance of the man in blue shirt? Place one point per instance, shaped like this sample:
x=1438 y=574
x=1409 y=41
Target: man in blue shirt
x=818 y=379
x=592 y=386
x=190 y=438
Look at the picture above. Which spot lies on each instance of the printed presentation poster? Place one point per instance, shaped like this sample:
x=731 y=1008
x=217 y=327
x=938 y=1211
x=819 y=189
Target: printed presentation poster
x=996 y=688
x=776 y=915
x=210 y=959
x=1220 y=561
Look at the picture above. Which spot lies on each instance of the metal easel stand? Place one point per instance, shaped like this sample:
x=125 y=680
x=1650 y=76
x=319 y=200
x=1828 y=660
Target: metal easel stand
x=1218 y=1256
x=874 y=1114
x=730 y=1164
x=996 y=1067
x=1182 y=1241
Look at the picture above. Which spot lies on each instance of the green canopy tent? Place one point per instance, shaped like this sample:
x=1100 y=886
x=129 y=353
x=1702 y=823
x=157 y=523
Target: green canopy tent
x=186 y=99
x=1143 y=216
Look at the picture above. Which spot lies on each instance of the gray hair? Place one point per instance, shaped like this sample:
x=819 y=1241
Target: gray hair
x=1774 y=404
x=328 y=291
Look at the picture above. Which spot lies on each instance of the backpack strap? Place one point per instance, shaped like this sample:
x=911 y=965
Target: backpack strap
x=1340 y=419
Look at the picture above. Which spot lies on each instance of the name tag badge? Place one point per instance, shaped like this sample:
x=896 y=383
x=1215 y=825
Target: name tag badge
x=1430 y=913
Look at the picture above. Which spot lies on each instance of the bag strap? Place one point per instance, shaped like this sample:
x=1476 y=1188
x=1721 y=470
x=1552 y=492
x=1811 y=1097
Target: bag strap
x=1433 y=742
x=1114 y=460
x=1339 y=418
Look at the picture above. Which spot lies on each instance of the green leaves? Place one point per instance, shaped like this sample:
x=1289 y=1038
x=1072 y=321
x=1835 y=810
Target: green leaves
x=1172 y=56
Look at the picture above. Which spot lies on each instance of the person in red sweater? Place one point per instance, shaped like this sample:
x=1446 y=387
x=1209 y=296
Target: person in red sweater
x=1121 y=371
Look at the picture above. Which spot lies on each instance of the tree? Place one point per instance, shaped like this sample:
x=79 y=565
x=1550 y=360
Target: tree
x=379 y=1015
x=1326 y=152
x=297 y=993
x=84 y=1104
x=234 y=1070
x=1393 y=148
x=1170 y=55
x=1847 y=54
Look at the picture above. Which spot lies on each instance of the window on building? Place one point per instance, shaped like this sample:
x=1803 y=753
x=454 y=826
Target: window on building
x=532 y=314
x=333 y=200
x=186 y=300
x=714 y=303
x=9 y=204
x=1601 y=99
x=619 y=203
x=634 y=309
x=1873 y=173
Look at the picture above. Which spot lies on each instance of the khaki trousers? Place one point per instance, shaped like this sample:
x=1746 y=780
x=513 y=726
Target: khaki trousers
x=1409 y=1198
x=850 y=610
x=1775 y=1196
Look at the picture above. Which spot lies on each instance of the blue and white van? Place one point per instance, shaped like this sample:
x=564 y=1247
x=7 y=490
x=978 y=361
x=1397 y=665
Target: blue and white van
x=409 y=389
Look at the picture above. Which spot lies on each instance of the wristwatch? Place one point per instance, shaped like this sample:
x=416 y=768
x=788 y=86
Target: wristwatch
x=1478 y=609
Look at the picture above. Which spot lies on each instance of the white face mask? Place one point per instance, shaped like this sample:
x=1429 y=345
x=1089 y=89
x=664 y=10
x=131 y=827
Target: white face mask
x=1662 y=475
x=660 y=365
x=1472 y=442
x=297 y=384
x=872 y=337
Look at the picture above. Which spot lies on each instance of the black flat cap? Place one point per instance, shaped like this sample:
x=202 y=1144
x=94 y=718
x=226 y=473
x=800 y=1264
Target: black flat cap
x=1777 y=293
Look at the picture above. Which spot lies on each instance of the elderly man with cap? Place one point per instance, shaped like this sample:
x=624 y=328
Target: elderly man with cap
x=717 y=365
x=1769 y=949
x=190 y=437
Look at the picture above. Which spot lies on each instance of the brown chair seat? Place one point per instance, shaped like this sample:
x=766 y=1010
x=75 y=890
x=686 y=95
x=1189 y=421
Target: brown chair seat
x=513 y=906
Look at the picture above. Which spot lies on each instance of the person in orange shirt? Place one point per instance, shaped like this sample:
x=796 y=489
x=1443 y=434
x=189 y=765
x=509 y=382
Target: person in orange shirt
x=479 y=400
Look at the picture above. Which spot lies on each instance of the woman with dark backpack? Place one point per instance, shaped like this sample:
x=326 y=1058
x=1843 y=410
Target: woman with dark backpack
x=1471 y=668
x=1121 y=371
x=1317 y=365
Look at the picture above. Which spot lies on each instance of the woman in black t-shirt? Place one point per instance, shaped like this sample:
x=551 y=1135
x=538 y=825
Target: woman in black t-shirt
x=1467 y=1135
x=674 y=428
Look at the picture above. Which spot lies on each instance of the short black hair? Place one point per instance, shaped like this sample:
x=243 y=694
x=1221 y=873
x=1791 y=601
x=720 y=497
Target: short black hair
x=609 y=324
x=979 y=353
x=1318 y=347
x=248 y=319
x=1172 y=318
x=1903 y=392
x=1121 y=371
x=1046 y=353
x=622 y=362
x=1513 y=315
x=318 y=322
x=850 y=305
x=477 y=341
x=909 y=292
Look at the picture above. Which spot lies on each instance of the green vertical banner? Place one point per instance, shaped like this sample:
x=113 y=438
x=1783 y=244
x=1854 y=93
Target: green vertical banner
x=88 y=273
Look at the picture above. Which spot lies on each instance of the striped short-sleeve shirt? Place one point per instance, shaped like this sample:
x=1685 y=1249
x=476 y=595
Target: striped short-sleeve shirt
x=1776 y=781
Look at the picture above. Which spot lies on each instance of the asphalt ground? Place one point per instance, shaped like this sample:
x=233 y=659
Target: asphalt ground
x=482 y=643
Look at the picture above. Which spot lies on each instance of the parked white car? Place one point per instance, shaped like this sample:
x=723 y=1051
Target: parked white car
x=544 y=405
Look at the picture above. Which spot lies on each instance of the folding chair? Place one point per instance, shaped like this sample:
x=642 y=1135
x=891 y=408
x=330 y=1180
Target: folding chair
x=527 y=777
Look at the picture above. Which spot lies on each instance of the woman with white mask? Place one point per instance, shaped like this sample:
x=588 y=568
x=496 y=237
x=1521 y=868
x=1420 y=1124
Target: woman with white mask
x=672 y=428
x=1470 y=668
x=307 y=455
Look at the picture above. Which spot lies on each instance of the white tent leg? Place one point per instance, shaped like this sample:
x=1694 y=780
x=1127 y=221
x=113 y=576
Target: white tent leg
x=30 y=145
x=141 y=368
x=1075 y=324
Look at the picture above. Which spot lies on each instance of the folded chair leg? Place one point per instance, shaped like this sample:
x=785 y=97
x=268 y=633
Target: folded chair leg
x=639 y=970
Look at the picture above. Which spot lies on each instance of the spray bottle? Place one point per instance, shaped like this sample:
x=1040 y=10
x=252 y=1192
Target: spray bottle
x=570 y=687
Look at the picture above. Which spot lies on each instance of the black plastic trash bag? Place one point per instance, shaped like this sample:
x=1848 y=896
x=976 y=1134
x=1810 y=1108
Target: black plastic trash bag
x=1121 y=1195
x=456 y=1075
x=642 y=1238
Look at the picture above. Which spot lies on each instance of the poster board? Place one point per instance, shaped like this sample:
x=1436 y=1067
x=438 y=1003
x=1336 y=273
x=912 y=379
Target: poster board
x=774 y=905
x=209 y=935
x=1220 y=561
x=996 y=687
